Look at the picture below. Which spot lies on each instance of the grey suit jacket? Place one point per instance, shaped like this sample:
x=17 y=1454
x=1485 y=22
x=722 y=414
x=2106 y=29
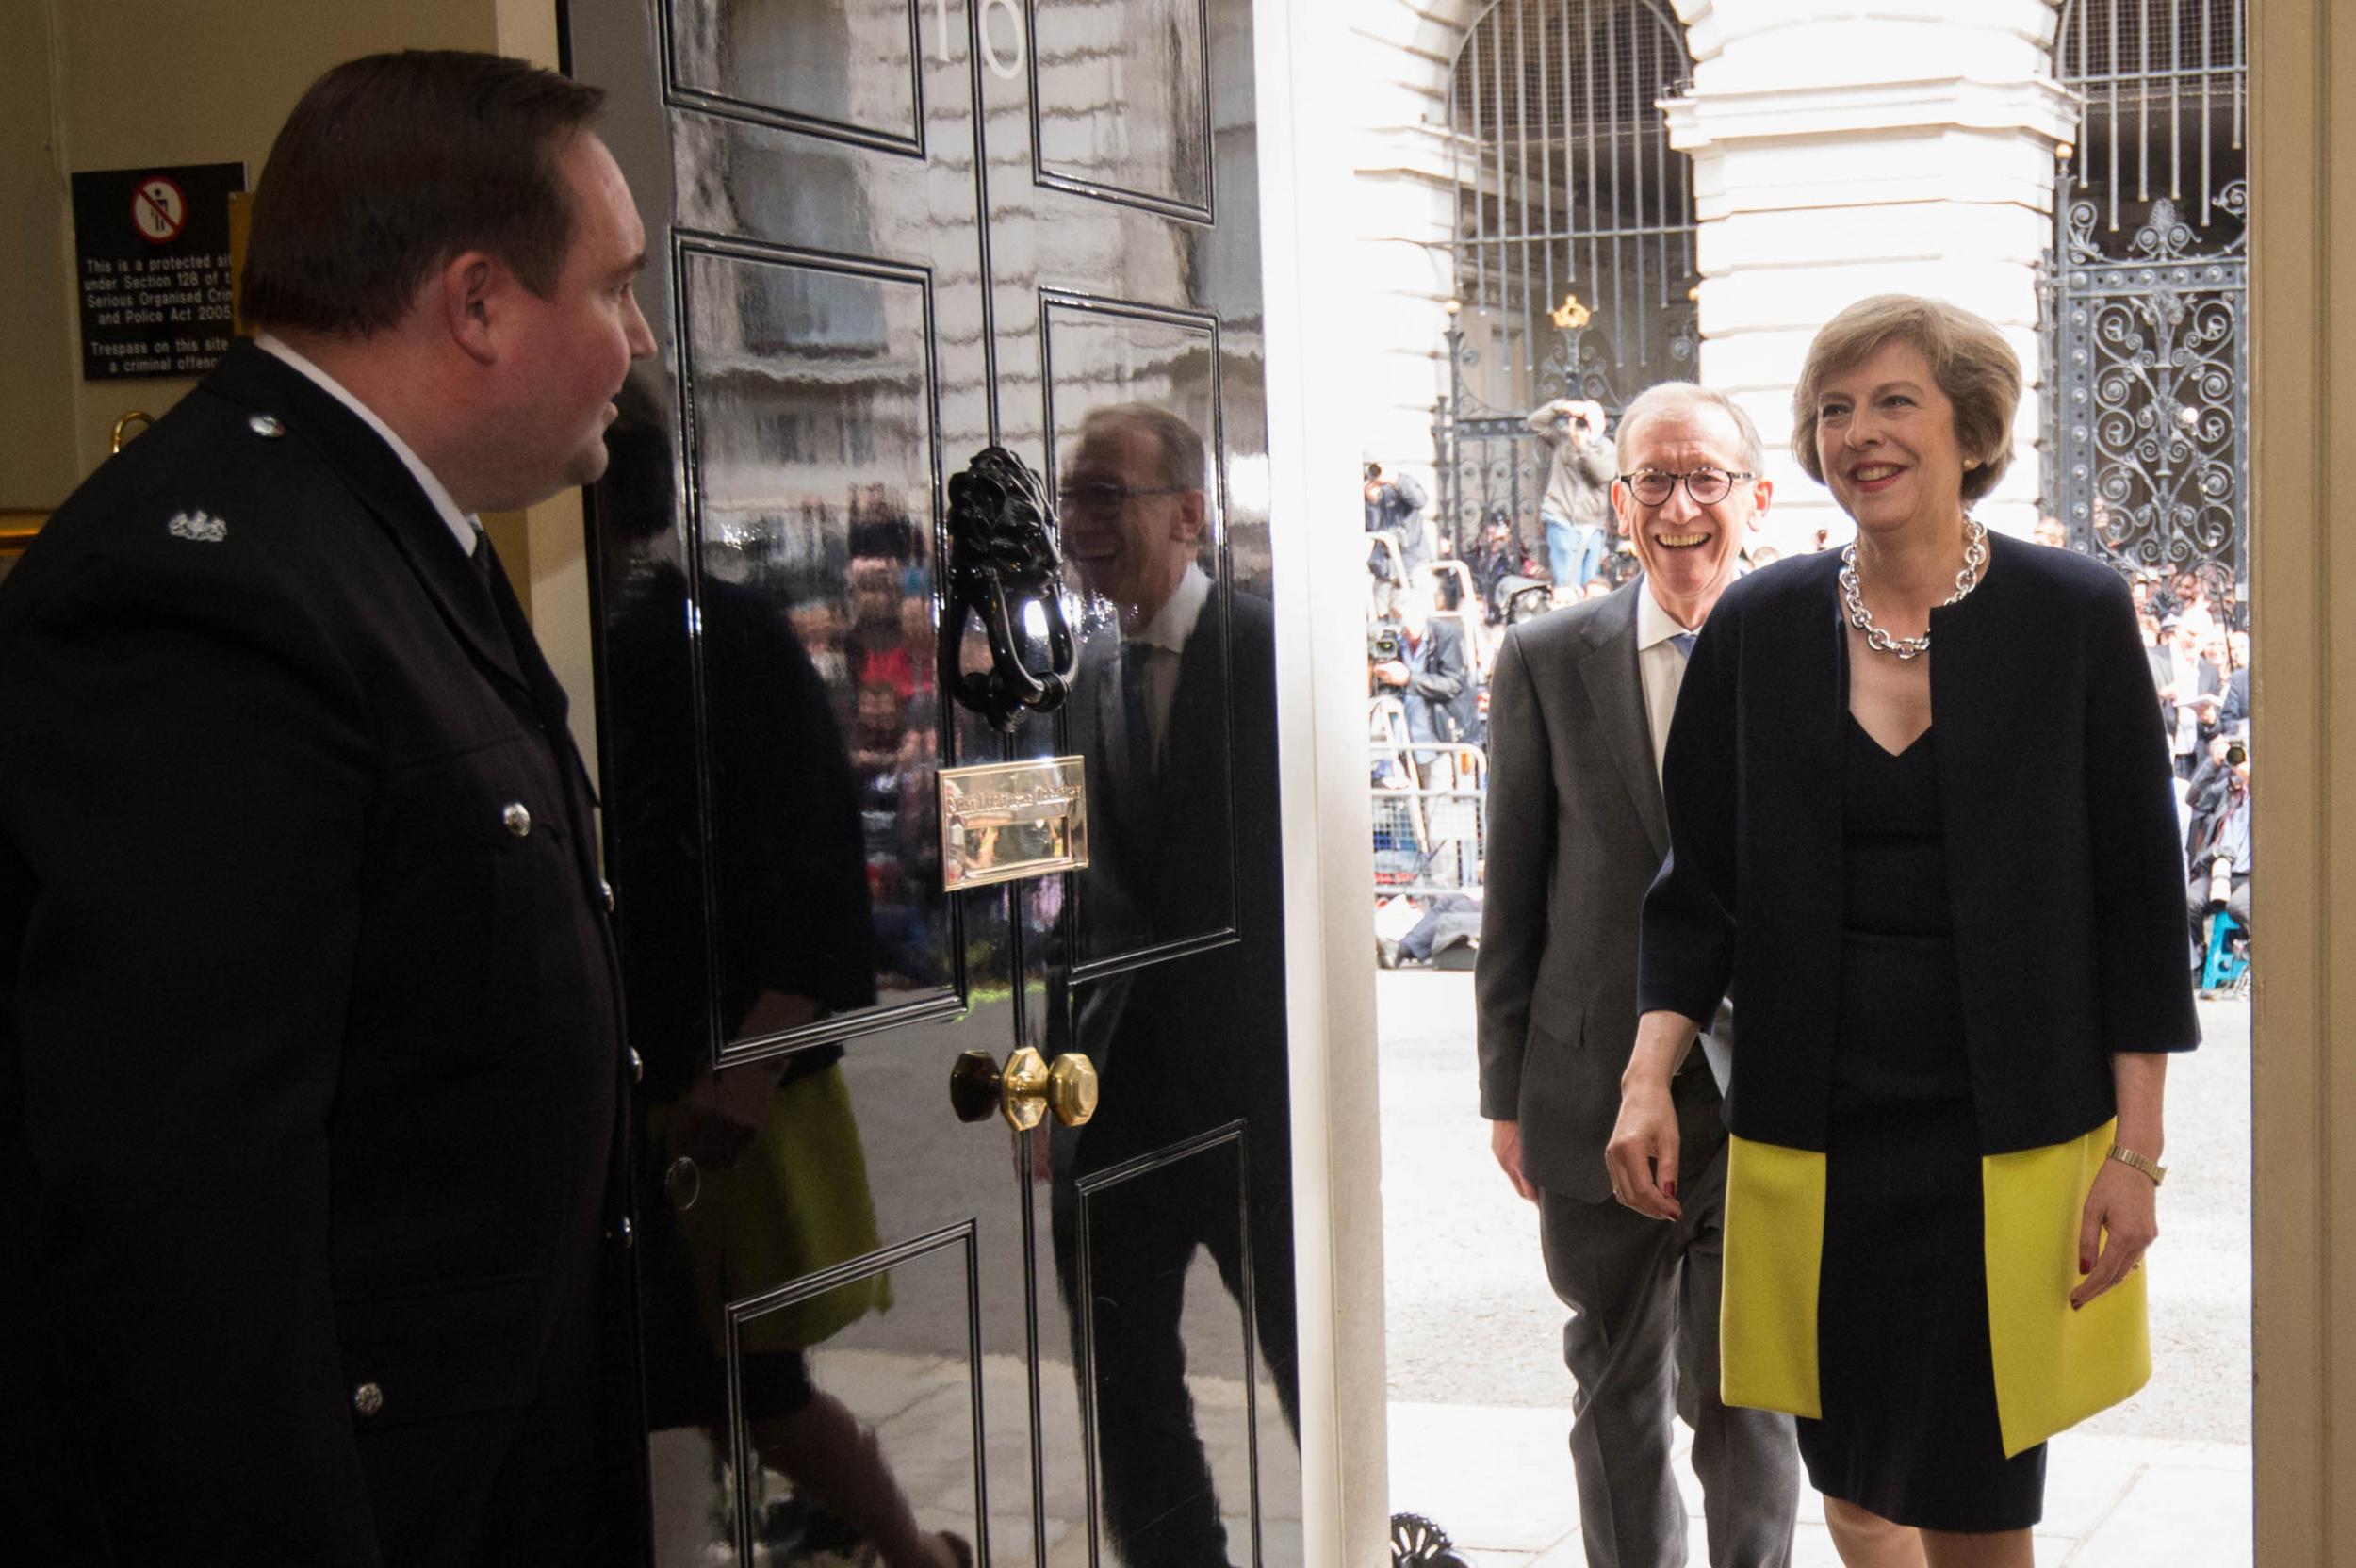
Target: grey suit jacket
x=1576 y=831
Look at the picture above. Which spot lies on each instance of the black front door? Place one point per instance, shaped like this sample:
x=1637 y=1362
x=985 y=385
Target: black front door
x=886 y=235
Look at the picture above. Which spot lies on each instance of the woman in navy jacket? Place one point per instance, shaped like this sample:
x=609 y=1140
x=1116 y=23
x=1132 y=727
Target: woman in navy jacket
x=1944 y=890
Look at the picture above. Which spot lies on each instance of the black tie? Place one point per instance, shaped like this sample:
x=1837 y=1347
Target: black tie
x=484 y=561
x=1137 y=716
x=1684 y=640
x=486 y=571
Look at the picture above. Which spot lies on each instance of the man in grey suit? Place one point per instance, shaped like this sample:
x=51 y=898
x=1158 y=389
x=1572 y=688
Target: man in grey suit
x=1579 y=717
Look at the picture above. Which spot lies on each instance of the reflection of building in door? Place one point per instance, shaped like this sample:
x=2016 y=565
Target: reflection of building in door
x=2146 y=456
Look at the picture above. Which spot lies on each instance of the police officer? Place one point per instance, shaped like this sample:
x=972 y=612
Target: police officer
x=310 y=1072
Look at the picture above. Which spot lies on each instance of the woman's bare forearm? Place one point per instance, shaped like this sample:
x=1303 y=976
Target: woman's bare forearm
x=1663 y=1039
x=2139 y=1081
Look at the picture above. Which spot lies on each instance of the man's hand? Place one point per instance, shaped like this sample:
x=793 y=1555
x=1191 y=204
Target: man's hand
x=2122 y=1220
x=1505 y=1142
x=1391 y=673
x=1643 y=1153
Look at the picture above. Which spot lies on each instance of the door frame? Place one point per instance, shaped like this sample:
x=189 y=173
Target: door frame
x=1307 y=225
x=2302 y=253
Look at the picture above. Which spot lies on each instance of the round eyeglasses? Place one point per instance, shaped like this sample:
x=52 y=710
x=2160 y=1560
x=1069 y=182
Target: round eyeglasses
x=1103 y=498
x=1707 y=486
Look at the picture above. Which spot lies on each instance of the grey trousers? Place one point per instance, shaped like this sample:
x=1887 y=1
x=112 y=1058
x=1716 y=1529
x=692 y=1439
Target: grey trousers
x=1642 y=1342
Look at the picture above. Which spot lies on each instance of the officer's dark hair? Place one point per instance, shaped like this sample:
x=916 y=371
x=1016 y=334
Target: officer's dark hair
x=393 y=164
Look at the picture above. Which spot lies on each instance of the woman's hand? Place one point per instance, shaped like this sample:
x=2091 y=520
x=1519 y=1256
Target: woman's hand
x=1643 y=1153
x=2122 y=1221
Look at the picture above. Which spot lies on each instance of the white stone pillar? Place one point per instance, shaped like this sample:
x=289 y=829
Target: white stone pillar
x=1404 y=204
x=1841 y=151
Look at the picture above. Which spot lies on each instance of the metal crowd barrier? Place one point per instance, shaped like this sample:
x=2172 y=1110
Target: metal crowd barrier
x=1430 y=817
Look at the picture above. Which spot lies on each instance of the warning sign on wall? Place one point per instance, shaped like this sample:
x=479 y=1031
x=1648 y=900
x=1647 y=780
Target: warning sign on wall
x=153 y=252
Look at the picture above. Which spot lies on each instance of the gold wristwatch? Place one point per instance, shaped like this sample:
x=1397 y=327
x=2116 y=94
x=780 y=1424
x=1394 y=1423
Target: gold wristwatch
x=2134 y=1161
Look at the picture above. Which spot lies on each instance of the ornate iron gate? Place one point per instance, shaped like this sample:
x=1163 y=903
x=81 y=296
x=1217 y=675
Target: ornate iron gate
x=2145 y=457
x=1575 y=236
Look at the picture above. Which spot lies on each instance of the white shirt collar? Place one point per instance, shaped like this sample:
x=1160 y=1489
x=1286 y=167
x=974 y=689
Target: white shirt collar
x=462 y=525
x=1654 y=625
x=1173 y=623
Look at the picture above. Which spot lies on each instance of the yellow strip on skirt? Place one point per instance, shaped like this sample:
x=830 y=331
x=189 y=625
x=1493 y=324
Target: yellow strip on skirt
x=2054 y=1366
x=1774 y=1250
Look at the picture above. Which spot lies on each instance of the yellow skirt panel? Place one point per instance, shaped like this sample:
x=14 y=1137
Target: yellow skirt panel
x=1774 y=1250
x=2054 y=1368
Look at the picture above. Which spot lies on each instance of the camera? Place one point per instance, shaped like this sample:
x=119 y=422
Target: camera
x=1525 y=599
x=2221 y=881
x=2236 y=754
x=1385 y=645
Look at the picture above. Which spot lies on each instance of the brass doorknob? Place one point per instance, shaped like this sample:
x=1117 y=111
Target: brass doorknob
x=1026 y=1090
x=977 y=1087
x=1072 y=1088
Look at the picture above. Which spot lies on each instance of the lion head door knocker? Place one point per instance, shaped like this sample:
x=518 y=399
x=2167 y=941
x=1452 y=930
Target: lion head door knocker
x=1004 y=561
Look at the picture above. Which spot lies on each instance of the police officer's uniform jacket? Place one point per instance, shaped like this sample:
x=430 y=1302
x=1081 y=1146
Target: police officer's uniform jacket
x=310 y=1062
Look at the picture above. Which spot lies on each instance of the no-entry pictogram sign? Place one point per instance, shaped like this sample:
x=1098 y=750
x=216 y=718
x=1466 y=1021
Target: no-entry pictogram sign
x=159 y=209
x=153 y=252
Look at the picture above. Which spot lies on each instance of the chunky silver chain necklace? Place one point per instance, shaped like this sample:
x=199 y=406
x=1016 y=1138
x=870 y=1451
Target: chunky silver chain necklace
x=1880 y=641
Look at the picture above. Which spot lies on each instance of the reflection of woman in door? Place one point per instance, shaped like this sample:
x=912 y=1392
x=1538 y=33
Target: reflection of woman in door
x=1944 y=881
x=751 y=1176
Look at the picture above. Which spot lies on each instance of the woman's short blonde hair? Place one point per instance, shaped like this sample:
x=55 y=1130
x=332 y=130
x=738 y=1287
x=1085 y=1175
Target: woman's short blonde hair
x=1969 y=358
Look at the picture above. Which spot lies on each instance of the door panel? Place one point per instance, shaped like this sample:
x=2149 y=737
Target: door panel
x=1121 y=99
x=1163 y=871
x=811 y=457
x=815 y=65
x=886 y=235
x=1154 y=1259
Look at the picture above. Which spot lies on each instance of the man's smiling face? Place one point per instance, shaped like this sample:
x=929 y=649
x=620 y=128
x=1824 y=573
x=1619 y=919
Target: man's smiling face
x=1127 y=531
x=1689 y=550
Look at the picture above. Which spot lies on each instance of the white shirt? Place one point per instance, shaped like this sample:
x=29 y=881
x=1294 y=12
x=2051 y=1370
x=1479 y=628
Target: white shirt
x=1166 y=635
x=1661 y=666
x=2184 y=675
x=462 y=525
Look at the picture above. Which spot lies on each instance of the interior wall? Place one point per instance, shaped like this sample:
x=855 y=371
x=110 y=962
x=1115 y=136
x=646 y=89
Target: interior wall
x=76 y=93
x=233 y=69
x=36 y=464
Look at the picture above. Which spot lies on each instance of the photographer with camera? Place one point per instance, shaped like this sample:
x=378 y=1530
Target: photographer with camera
x=1496 y=557
x=1429 y=668
x=1576 y=509
x=1395 y=503
x=2222 y=841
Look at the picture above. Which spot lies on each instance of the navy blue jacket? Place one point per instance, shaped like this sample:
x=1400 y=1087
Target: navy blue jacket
x=2064 y=863
x=310 y=1061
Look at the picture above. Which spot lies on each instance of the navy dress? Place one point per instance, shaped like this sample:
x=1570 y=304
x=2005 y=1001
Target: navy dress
x=1909 y=1429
